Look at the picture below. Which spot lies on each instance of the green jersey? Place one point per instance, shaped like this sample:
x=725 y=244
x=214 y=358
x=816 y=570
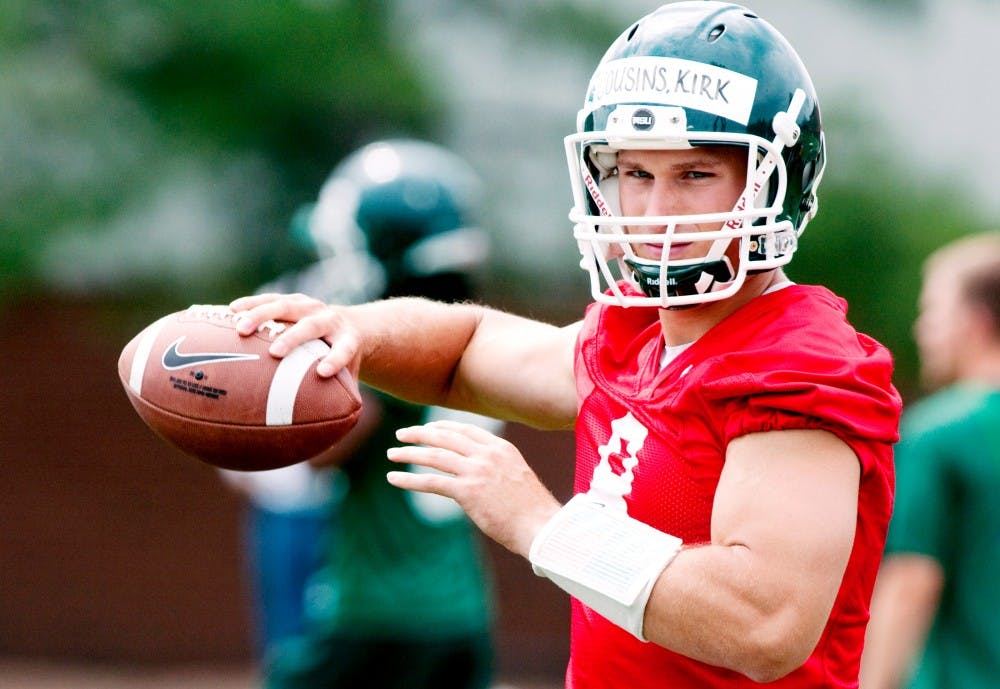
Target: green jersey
x=948 y=507
x=400 y=565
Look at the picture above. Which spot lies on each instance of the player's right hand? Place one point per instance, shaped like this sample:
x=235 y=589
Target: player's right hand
x=309 y=319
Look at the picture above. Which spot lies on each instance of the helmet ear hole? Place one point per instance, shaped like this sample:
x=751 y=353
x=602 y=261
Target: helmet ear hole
x=808 y=172
x=808 y=196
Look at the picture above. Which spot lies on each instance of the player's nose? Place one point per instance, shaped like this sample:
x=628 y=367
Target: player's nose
x=662 y=200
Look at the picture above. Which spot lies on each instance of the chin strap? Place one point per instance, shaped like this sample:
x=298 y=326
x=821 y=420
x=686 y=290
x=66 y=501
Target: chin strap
x=682 y=281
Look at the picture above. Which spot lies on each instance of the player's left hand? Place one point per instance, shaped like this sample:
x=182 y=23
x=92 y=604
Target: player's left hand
x=483 y=473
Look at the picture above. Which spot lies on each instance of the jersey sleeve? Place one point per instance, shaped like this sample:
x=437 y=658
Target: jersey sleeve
x=848 y=393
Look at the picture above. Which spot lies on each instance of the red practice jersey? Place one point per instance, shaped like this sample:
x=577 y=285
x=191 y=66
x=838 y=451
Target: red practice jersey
x=654 y=440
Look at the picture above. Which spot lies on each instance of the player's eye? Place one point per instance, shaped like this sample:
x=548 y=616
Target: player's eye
x=635 y=173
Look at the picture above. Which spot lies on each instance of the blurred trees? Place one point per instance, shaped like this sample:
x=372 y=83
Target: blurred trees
x=151 y=144
x=867 y=244
x=163 y=141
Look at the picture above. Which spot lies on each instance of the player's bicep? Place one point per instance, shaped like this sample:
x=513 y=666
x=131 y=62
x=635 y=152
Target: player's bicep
x=520 y=370
x=790 y=498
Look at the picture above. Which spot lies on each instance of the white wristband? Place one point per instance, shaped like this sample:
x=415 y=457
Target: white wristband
x=604 y=558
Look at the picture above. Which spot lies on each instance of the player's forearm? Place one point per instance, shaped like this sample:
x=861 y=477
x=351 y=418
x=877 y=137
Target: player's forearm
x=411 y=348
x=713 y=603
x=469 y=357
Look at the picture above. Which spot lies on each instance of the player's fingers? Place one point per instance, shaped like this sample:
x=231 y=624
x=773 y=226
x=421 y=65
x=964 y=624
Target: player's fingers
x=309 y=319
x=252 y=301
x=469 y=430
x=329 y=326
x=451 y=436
x=318 y=323
x=426 y=456
x=438 y=484
x=258 y=309
x=343 y=355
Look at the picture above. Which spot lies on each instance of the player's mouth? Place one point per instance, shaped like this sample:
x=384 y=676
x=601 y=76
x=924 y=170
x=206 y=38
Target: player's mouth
x=677 y=250
x=655 y=251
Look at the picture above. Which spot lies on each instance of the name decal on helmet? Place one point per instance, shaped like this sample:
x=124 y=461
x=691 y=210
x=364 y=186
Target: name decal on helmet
x=673 y=82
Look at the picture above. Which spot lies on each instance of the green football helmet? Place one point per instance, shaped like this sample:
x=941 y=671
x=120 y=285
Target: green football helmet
x=396 y=218
x=695 y=74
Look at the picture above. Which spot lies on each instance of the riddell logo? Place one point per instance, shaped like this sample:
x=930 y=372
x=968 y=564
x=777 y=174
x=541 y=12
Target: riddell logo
x=643 y=120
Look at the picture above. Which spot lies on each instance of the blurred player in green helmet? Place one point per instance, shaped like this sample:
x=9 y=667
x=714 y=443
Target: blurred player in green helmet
x=401 y=595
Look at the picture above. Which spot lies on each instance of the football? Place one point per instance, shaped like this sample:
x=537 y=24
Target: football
x=221 y=397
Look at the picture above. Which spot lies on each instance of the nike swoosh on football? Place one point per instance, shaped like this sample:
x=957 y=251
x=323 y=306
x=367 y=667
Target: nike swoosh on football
x=173 y=359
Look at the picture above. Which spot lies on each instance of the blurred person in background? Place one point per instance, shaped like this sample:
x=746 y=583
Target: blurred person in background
x=935 y=616
x=286 y=526
x=734 y=432
x=290 y=509
x=398 y=593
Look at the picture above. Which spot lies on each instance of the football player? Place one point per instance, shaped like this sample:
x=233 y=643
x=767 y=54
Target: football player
x=934 y=621
x=399 y=575
x=733 y=475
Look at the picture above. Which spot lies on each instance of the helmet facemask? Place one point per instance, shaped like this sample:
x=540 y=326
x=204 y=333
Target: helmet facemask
x=695 y=74
x=764 y=241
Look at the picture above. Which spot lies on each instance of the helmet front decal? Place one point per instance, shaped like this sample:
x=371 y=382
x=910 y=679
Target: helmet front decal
x=673 y=81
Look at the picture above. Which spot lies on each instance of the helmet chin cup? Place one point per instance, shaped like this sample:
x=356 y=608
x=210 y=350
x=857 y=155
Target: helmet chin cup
x=682 y=281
